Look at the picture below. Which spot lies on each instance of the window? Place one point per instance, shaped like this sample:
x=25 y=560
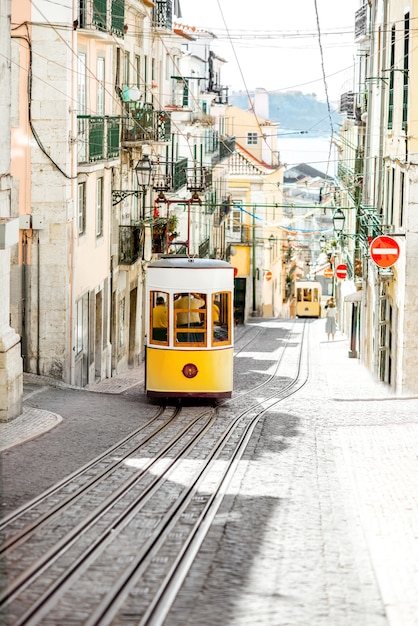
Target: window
x=138 y=70
x=99 y=207
x=122 y=314
x=236 y=217
x=401 y=197
x=159 y=317
x=405 y=72
x=167 y=66
x=81 y=84
x=81 y=208
x=145 y=77
x=252 y=139
x=221 y=316
x=79 y=327
x=126 y=68
x=391 y=78
x=100 y=86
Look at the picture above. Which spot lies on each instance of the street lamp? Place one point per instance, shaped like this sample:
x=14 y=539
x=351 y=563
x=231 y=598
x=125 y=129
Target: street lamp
x=338 y=221
x=144 y=171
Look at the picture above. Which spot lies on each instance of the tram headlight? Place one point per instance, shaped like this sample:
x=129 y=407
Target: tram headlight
x=190 y=370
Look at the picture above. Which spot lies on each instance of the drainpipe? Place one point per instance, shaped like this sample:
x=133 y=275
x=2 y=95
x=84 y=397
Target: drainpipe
x=254 y=265
x=38 y=323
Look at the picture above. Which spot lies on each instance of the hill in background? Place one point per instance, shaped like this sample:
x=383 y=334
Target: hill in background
x=295 y=110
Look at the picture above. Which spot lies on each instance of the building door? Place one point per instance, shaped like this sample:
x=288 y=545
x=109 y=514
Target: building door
x=132 y=327
x=385 y=339
x=98 y=351
x=82 y=342
x=239 y=300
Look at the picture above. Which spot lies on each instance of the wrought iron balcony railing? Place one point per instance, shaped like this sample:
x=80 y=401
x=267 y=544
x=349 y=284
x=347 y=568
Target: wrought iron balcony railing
x=99 y=17
x=226 y=147
x=131 y=243
x=98 y=138
x=162 y=15
x=360 y=28
x=204 y=249
x=146 y=125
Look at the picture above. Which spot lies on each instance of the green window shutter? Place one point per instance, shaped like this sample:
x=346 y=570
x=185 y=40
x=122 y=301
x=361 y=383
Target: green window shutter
x=118 y=17
x=99 y=14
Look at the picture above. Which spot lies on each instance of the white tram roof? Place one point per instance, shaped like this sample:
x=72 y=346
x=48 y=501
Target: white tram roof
x=182 y=273
x=184 y=261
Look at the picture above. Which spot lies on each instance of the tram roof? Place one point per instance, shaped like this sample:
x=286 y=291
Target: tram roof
x=183 y=261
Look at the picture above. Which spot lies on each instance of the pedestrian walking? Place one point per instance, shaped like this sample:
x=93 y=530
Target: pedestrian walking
x=331 y=319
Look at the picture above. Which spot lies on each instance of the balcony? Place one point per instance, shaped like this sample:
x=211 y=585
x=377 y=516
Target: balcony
x=170 y=176
x=198 y=179
x=360 y=28
x=131 y=244
x=162 y=14
x=146 y=125
x=204 y=249
x=98 y=138
x=226 y=148
x=369 y=225
x=347 y=104
x=96 y=16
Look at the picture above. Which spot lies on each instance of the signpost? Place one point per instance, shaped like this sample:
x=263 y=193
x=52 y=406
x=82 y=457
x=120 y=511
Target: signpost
x=269 y=275
x=328 y=273
x=341 y=271
x=384 y=251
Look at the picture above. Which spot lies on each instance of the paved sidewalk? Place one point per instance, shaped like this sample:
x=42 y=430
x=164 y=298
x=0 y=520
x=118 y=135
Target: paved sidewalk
x=34 y=422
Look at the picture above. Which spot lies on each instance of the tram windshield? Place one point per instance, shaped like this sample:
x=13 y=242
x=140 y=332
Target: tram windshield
x=197 y=318
x=307 y=294
x=190 y=319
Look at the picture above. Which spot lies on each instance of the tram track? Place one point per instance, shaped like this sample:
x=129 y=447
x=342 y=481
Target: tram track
x=167 y=515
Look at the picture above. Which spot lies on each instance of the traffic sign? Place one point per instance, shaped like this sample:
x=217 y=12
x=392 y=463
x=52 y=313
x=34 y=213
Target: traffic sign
x=269 y=275
x=341 y=271
x=384 y=251
x=328 y=273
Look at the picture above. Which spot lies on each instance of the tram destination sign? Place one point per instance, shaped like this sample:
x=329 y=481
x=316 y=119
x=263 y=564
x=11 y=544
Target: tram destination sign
x=384 y=251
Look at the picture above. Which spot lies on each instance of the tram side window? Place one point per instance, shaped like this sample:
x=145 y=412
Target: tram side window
x=190 y=317
x=221 y=317
x=159 y=316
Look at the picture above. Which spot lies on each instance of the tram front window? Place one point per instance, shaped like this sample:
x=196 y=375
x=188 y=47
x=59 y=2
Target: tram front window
x=220 y=318
x=190 y=313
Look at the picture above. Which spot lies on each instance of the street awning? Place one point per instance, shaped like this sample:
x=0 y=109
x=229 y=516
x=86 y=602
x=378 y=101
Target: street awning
x=355 y=296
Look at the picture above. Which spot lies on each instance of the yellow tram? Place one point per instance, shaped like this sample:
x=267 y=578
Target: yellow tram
x=308 y=298
x=189 y=343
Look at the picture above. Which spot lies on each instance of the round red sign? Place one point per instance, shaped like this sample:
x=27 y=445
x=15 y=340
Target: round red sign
x=341 y=271
x=384 y=251
x=269 y=275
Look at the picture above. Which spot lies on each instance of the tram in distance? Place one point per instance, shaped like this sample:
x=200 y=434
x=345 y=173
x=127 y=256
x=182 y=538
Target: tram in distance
x=189 y=342
x=308 y=298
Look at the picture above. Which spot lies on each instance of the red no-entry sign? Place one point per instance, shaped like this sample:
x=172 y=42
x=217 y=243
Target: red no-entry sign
x=341 y=270
x=384 y=251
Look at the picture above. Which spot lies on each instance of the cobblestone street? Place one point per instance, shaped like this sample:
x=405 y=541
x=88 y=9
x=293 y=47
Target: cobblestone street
x=319 y=526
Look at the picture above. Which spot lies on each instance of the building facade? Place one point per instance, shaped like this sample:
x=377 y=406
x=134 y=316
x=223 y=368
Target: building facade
x=382 y=184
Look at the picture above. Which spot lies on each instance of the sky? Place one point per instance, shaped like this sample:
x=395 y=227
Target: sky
x=278 y=46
